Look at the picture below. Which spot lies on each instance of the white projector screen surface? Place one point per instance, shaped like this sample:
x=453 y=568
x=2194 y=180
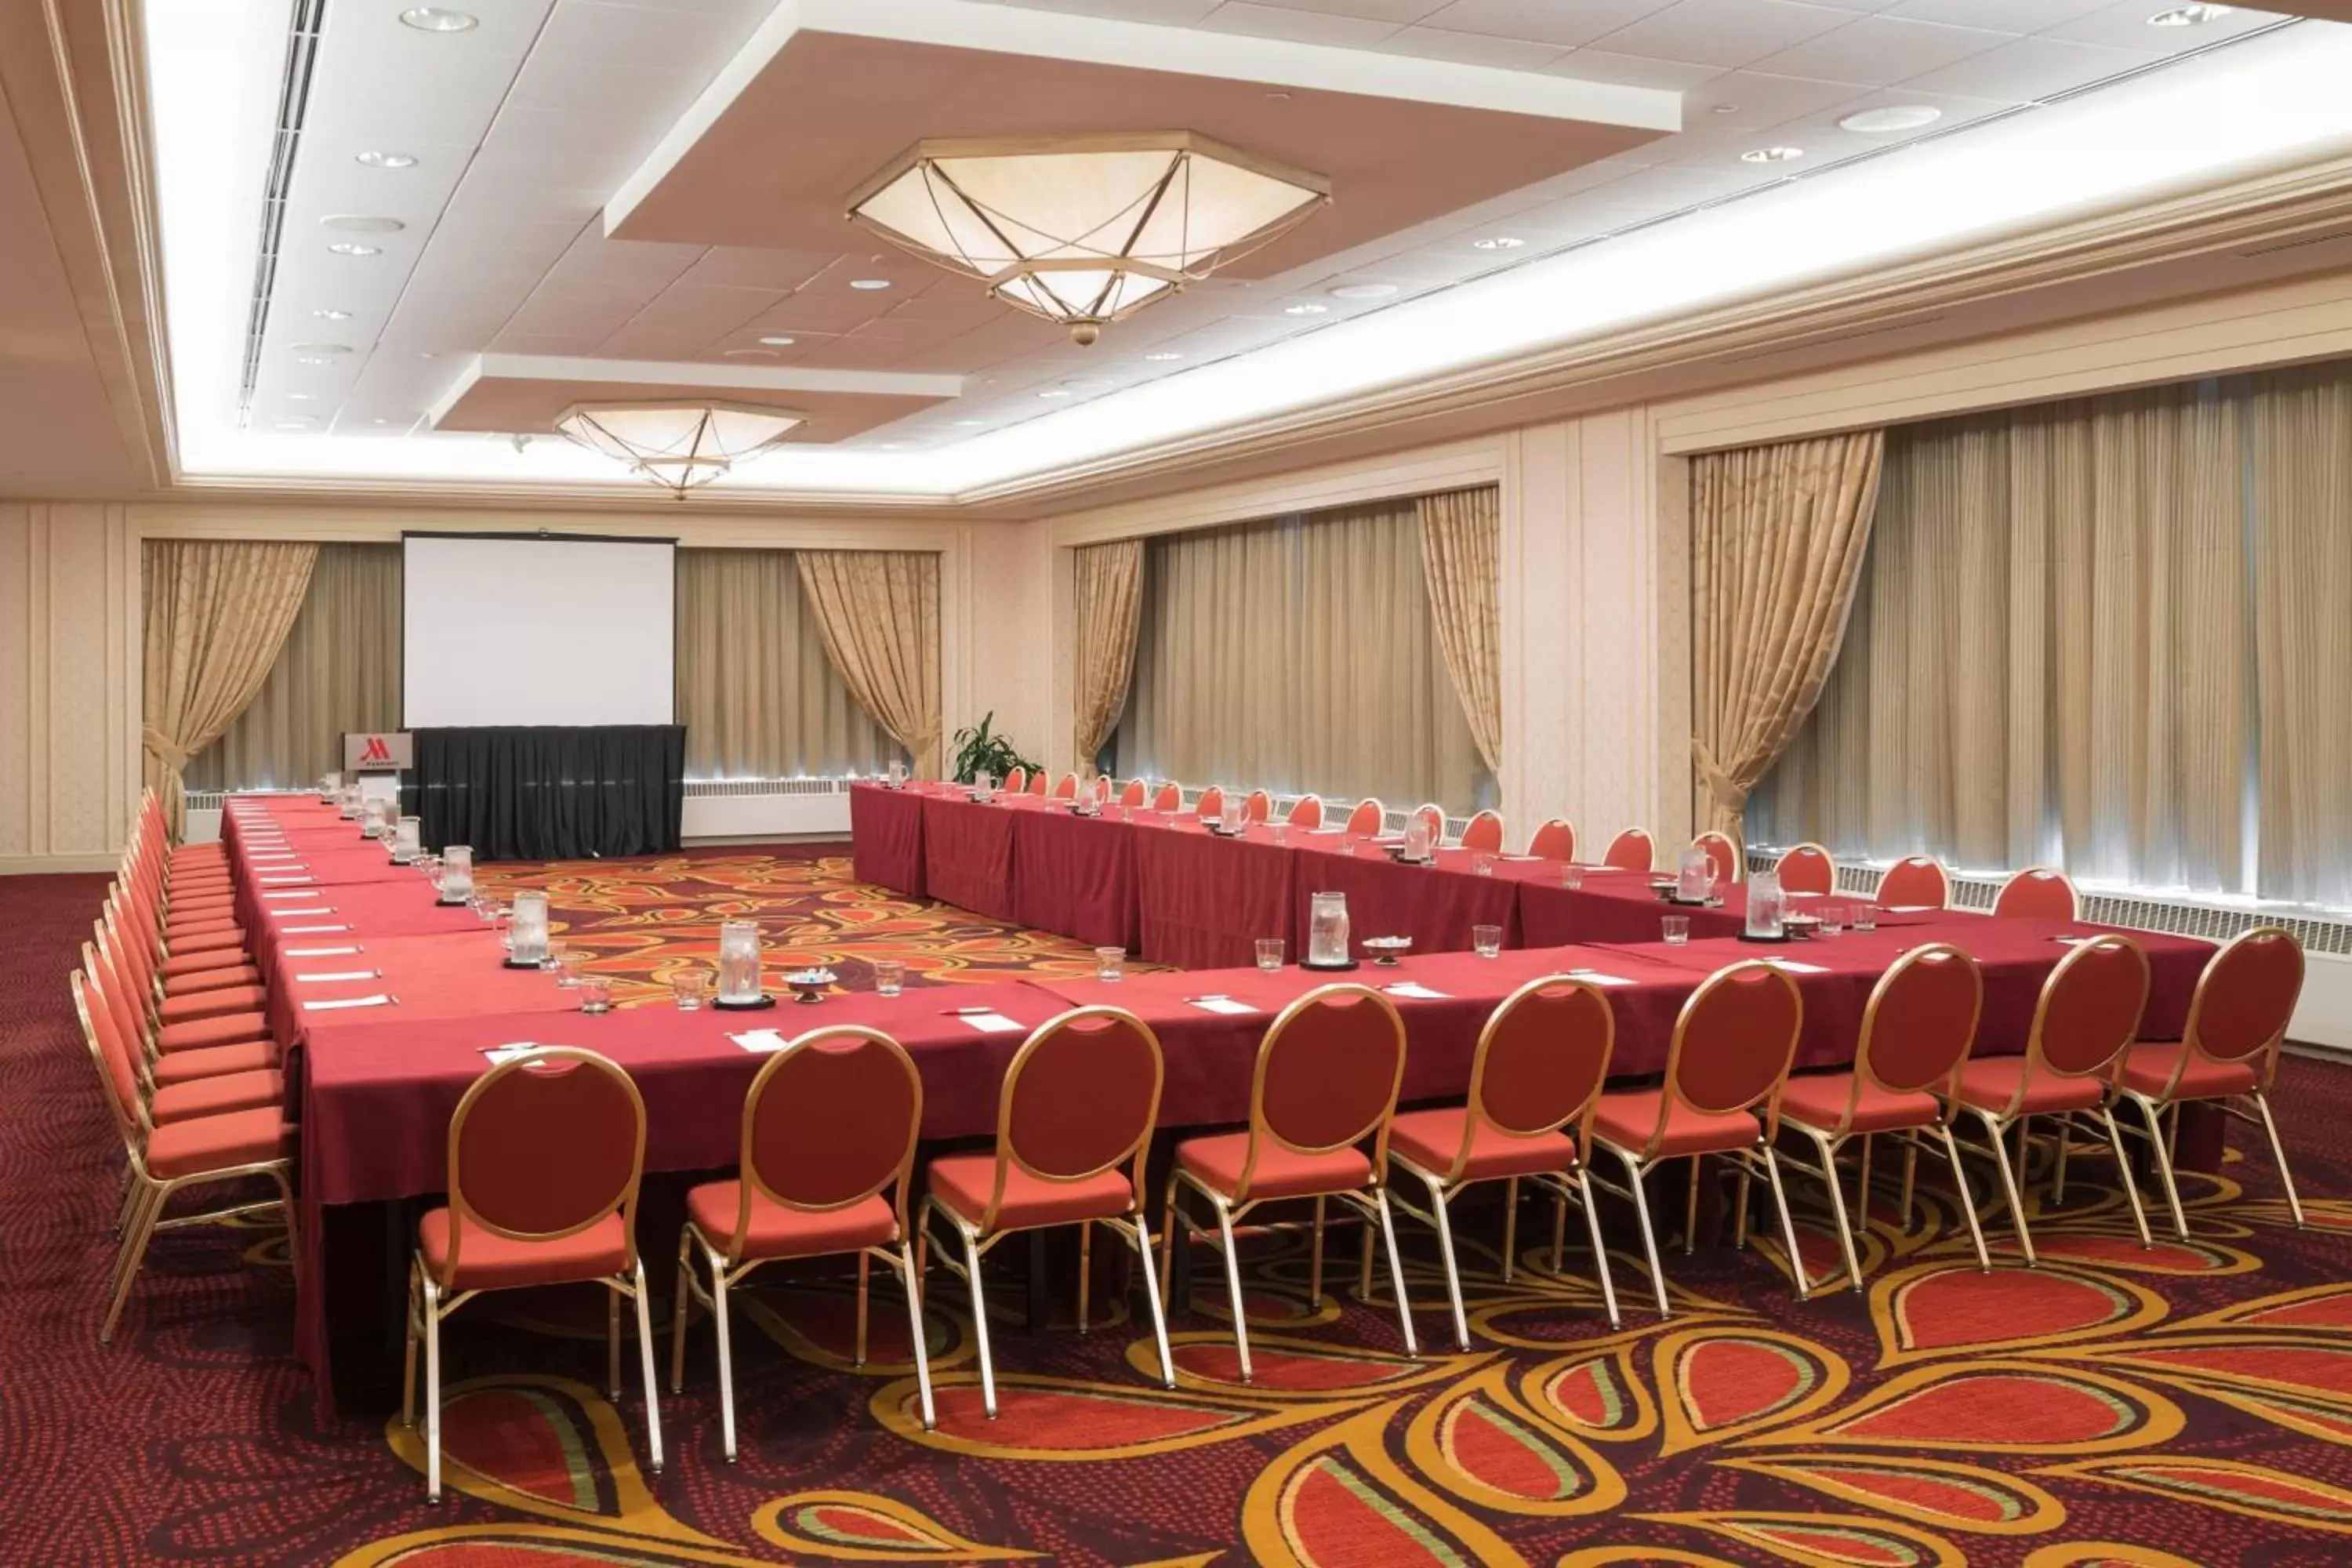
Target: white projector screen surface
x=526 y=630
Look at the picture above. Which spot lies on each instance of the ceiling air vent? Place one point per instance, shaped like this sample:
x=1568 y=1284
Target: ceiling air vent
x=293 y=103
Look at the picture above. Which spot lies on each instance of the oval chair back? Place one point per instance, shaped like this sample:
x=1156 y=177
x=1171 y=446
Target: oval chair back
x=1807 y=869
x=1081 y=1097
x=1258 y=807
x=2090 y=1008
x=1554 y=840
x=2245 y=1000
x=1433 y=814
x=1328 y=1075
x=1306 y=812
x=1067 y=787
x=1732 y=1047
x=1037 y=784
x=1170 y=798
x=1542 y=1059
x=2038 y=892
x=1632 y=850
x=1369 y=818
x=1135 y=793
x=1017 y=782
x=1921 y=1022
x=1916 y=881
x=1722 y=854
x=1484 y=831
x=117 y=994
x=116 y=1074
x=1211 y=803
x=543 y=1146
x=829 y=1121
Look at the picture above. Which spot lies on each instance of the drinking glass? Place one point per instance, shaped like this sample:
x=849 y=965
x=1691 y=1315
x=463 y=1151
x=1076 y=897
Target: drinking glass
x=595 y=993
x=1832 y=919
x=889 y=976
x=1110 y=964
x=574 y=972
x=1571 y=875
x=1675 y=928
x=1269 y=953
x=1486 y=942
x=1865 y=918
x=556 y=954
x=1481 y=863
x=690 y=989
x=1281 y=833
x=500 y=918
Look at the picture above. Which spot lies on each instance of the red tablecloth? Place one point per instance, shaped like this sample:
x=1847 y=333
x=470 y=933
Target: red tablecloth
x=457 y=976
x=404 y=906
x=968 y=854
x=1436 y=905
x=1203 y=901
x=886 y=833
x=1076 y=876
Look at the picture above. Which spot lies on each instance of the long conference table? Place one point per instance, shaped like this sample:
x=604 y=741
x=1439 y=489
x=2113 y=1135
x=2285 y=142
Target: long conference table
x=384 y=1002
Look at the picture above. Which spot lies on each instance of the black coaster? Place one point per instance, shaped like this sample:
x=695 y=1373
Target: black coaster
x=449 y=903
x=1775 y=940
x=521 y=963
x=1342 y=966
x=764 y=1001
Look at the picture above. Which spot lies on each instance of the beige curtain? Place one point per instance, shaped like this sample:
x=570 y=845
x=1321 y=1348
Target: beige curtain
x=1461 y=557
x=756 y=691
x=1296 y=655
x=1776 y=540
x=878 y=613
x=217 y=612
x=1110 y=603
x=2049 y=656
x=2299 y=439
x=338 y=670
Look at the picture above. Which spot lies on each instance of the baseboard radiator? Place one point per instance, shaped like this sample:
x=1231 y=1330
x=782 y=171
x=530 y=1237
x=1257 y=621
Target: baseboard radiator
x=715 y=810
x=2324 y=1016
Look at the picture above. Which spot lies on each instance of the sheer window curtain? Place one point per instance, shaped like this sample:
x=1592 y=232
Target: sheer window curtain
x=2047 y=658
x=338 y=670
x=1299 y=654
x=757 y=692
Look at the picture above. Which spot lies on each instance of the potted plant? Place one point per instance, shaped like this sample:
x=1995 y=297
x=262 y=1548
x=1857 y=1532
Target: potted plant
x=980 y=749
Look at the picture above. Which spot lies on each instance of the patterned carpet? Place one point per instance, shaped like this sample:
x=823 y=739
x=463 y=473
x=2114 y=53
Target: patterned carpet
x=2192 y=1405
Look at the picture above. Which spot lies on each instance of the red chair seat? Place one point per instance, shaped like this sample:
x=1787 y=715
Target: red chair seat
x=1280 y=1173
x=193 y=981
x=194 y=898
x=212 y=1004
x=259 y=1089
x=1819 y=1100
x=962 y=1182
x=227 y=1029
x=1629 y=1117
x=180 y=934
x=1431 y=1139
x=777 y=1231
x=228 y=938
x=487 y=1261
x=192 y=853
x=214 y=1061
x=2149 y=1067
x=204 y=960
x=203 y=885
x=205 y=1143
x=1991 y=1083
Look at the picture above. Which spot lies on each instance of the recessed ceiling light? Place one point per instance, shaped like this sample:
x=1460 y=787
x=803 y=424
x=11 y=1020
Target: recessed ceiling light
x=969 y=422
x=322 y=348
x=779 y=342
x=2187 y=15
x=345 y=247
x=352 y=223
x=869 y=284
x=312 y=359
x=1305 y=308
x=1724 y=108
x=1055 y=392
x=385 y=160
x=434 y=19
x=1163 y=356
x=1772 y=155
x=428 y=353
x=301 y=397
x=1087 y=384
x=333 y=315
x=1895 y=117
x=1499 y=242
x=750 y=354
x=1363 y=290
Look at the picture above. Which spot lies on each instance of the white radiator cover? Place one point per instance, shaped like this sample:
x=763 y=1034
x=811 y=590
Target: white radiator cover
x=716 y=811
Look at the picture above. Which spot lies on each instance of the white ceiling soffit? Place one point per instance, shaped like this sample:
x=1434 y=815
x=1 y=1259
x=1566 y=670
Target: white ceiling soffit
x=2265 y=102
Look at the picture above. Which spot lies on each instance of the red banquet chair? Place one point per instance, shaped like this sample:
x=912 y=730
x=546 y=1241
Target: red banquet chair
x=1073 y=1124
x=164 y=1158
x=546 y=1151
x=1721 y=853
x=2238 y=1018
x=238 y=1084
x=1807 y=869
x=1211 y=803
x=1434 y=816
x=2086 y=1019
x=1916 y=1033
x=1135 y=793
x=1540 y=1063
x=1555 y=840
x=829 y=1125
x=1632 y=850
x=1037 y=784
x=192 y=1048
x=1170 y=798
x=1017 y=782
x=1257 y=806
x=1728 y=1062
x=1484 y=831
x=1325 y=1083
x=1369 y=818
x=1913 y=882
x=2038 y=892
x=1067 y=787
x=1307 y=812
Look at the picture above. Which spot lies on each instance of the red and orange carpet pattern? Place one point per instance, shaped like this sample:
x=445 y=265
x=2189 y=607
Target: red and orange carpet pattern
x=2192 y=1404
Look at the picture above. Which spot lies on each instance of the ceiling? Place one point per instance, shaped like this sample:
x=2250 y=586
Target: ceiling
x=602 y=195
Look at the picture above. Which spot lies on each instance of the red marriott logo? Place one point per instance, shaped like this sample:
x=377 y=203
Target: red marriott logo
x=377 y=749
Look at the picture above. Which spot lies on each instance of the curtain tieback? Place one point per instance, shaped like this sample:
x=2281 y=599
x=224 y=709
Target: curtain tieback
x=1727 y=795
x=168 y=752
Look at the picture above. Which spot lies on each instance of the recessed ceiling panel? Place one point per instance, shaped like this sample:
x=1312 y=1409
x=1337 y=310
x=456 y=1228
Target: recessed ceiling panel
x=524 y=394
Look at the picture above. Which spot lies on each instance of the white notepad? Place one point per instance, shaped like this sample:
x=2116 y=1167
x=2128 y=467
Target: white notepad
x=507 y=1053
x=1594 y=977
x=281 y=881
x=321 y=909
x=1797 y=966
x=1221 y=1004
x=343 y=974
x=761 y=1040
x=311 y=930
x=376 y=1001
x=991 y=1023
x=1416 y=990
x=291 y=892
x=322 y=951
